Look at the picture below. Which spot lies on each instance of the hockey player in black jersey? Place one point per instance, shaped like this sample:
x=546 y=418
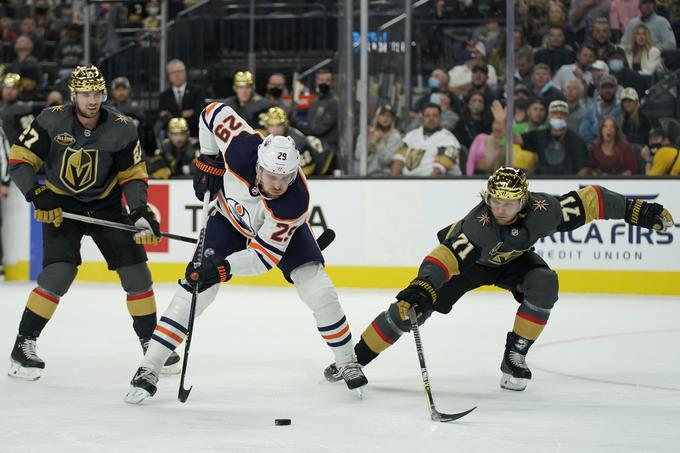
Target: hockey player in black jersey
x=493 y=245
x=92 y=157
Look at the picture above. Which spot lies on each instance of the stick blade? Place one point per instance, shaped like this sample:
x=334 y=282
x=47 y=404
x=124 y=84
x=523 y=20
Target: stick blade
x=325 y=238
x=183 y=394
x=441 y=417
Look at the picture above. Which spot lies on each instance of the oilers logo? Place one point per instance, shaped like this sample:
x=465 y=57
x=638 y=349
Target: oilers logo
x=240 y=214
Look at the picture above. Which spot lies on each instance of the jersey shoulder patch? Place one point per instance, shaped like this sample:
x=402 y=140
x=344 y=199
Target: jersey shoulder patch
x=55 y=116
x=293 y=204
x=543 y=213
x=478 y=224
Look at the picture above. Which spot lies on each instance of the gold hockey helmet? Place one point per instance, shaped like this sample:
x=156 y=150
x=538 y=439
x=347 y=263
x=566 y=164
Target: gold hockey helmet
x=508 y=183
x=178 y=126
x=275 y=116
x=243 y=79
x=11 y=80
x=86 y=79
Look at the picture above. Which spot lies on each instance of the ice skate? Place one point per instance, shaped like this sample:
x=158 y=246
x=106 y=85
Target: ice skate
x=516 y=373
x=172 y=364
x=332 y=373
x=142 y=386
x=351 y=373
x=24 y=360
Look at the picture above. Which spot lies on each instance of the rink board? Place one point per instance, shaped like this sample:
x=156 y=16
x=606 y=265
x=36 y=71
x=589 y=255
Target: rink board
x=385 y=227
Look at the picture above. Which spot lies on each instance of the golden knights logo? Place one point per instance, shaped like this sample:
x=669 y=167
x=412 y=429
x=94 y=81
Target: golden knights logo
x=498 y=257
x=79 y=168
x=414 y=157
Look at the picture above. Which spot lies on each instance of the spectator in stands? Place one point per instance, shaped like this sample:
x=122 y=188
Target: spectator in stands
x=277 y=90
x=618 y=67
x=437 y=83
x=480 y=78
x=601 y=38
x=557 y=53
x=429 y=150
x=583 y=12
x=607 y=106
x=181 y=99
x=177 y=152
x=476 y=118
x=15 y=115
x=520 y=106
x=44 y=21
x=611 y=152
x=659 y=26
x=384 y=140
x=636 y=125
x=535 y=117
x=460 y=77
x=621 y=13
x=597 y=70
x=535 y=22
x=521 y=92
x=322 y=117
x=28 y=28
x=122 y=99
x=578 y=70
x=246 y=102
x=70 y=51
x=542 y=84
x=450 y=117
x=560 y=151
x=661 y=157
x=557 y=16
x=641 y=54
x=54 y=97
x=573 y=95
x=524 y=66
x=7 y=35
x=497 y=57
x=485 y=155
x=26 y=65
x=153 y=15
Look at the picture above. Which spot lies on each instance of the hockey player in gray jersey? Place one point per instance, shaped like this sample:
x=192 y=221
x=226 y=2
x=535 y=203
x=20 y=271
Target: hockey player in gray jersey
x=493 y=245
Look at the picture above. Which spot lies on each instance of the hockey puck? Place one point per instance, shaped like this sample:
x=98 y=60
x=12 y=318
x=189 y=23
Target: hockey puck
x=282 y=421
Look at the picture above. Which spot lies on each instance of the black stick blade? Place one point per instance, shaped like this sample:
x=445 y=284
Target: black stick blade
x=325 y=238
x=184 y=394
x=440 y=417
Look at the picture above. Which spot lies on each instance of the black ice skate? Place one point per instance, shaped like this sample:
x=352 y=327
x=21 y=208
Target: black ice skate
x=172 y=365
x=516 y=373
x=142 y=386
x=351 y=373
x=24 y=360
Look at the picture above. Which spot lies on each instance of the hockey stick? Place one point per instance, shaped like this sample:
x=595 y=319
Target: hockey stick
x=183 y=393
x=122 y=226
x=434 y=413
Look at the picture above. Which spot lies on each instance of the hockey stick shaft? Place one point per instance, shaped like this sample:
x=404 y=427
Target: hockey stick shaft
x=435 y=415
x=122 y=226
x=183 y=393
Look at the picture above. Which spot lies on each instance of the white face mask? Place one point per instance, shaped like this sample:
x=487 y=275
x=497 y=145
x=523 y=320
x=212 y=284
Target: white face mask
x=152 y=10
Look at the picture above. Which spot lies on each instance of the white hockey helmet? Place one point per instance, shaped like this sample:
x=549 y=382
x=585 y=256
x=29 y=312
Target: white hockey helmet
x=278 y=156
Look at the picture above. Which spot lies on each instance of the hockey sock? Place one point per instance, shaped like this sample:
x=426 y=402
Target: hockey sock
x=39 y=309
x=142 y=308
x=529 y=323
x=339 y=338
x=378 y=336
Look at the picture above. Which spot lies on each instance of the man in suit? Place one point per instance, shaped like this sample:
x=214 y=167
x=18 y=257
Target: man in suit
x=181 y=100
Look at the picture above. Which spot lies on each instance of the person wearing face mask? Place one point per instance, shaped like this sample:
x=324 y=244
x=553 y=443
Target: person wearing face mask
x=560 y=151
x=607 y=106
x=438 y=83
x=619 y=68
x=542 y=84
x=429 y=150
x=277 y=91
x=660 y=28
x=660 y=156
x=476 y=118
x=322 y=117
x=460 y=76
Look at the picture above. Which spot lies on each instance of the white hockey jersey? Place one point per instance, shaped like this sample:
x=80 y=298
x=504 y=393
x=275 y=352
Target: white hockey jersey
x=269 y=224
x=422 y=153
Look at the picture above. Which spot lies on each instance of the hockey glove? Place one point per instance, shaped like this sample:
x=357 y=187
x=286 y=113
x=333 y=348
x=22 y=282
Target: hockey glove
x=420 y=293
x=143 y=217
x=214 y=269
x=209 y=175
x=648 y=215
x=47 y=206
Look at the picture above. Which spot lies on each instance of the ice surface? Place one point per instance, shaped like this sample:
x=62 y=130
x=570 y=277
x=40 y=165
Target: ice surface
x=606 y=379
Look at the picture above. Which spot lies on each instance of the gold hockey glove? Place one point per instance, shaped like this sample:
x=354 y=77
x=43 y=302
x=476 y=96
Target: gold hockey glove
x=47 y=206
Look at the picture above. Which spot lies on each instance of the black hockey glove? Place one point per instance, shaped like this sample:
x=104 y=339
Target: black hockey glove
x=209 y=176
x=47 y=205
x=213 y=269
x=143 y=217
x=648 y=215
x=420 y=293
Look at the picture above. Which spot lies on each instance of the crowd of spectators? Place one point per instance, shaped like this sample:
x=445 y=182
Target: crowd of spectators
x=583 y=70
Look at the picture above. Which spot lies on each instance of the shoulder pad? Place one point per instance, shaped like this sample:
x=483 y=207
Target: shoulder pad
x=543 y=212
x=478 y=225
x=293 y=204
x=55 y=115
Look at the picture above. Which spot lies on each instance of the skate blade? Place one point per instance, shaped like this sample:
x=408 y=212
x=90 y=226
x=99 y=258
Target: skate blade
x=17 y=371
x=509 y=382
x=173 y=369
x=136 y=395
x=360 y=392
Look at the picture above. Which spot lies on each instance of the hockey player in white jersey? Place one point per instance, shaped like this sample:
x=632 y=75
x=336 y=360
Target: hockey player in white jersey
x=261 y=222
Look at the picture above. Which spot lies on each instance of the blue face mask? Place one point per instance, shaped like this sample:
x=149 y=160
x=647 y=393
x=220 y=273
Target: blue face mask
x=558 y=123
x=433 y=83
x=616 y=65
